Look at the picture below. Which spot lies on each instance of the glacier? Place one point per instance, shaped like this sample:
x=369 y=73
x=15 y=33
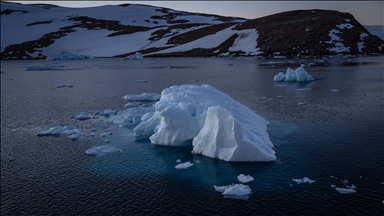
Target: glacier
x=216 y=125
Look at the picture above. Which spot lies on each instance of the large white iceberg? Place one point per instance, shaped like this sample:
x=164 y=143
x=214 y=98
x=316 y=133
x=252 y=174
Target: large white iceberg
x=298 y=75
x=215 y=124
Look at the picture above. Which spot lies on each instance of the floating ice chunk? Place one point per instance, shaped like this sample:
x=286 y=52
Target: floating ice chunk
x=137 y=55
x=141 y=81
x=301 y=103
x=229 y=70
x=299 y=75
x=303 y=180
x=182 y=166
x=74 y=136
x=263 y=98
x=335 y=90
x=68 y=130
x=130 y=105
x=351 y=187
x=237 y=190
x=220 y=189
x=178 y=161
x=101 y=150
x=82 y=116
x=304 y=89
x=38 y=68
x=345 y=190
x=64 y=85
x=143 y=97
x=333 y=186
x=245 y=178
x=217 y=125
x=109 y=112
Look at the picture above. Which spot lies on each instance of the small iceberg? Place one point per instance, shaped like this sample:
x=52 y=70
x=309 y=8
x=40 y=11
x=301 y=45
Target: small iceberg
x=74 y=136
x=245 y=178
x=101 y=150
x=82 y=116
x=303 y=180
x=298 y=75
x=183 y=166
x=137 y=55
x=58 y=130
x=345 y=190
x=237 y=190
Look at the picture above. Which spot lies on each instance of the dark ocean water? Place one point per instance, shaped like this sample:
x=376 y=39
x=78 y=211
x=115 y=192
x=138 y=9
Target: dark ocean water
x=337 y=135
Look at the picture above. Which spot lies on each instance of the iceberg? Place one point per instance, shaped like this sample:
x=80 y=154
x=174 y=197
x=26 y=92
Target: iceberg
x=245 y=178
x=216 y=125
x=137 y=55
x=298 y=75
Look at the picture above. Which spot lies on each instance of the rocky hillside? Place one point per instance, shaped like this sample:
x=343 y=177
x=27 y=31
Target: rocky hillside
x=35 y=31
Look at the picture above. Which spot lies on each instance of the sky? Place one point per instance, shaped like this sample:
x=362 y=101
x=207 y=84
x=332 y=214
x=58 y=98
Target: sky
x=366 y=12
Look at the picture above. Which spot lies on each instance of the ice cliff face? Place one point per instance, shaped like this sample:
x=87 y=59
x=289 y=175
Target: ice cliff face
x=36 y=31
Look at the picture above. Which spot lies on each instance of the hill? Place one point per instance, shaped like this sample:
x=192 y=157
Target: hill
x=35 y=31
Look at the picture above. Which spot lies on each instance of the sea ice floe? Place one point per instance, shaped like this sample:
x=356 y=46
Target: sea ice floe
x=183 y=166
x=101 y=150
x=137 y=55
x=245 y=178
x=141 y=81
x=301 y=103
x=217 y=125
x=303 y=180
x=345 y=190
x=82 y=116
x=298 y=75
x=142 y=97
x=58 y=130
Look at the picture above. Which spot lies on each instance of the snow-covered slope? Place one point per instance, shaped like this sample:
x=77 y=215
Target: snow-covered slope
x=35 y=31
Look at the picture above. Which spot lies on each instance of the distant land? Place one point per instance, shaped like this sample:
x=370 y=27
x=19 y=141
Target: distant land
x=35 y=31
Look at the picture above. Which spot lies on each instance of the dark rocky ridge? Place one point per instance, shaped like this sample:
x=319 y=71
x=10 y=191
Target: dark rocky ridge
x=286 y=33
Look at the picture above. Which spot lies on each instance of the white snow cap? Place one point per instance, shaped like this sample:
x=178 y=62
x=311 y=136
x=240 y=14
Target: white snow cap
x=217 y=125
x=298 y=75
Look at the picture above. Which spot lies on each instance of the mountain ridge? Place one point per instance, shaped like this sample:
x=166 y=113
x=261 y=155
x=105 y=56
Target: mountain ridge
x=35 y=31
